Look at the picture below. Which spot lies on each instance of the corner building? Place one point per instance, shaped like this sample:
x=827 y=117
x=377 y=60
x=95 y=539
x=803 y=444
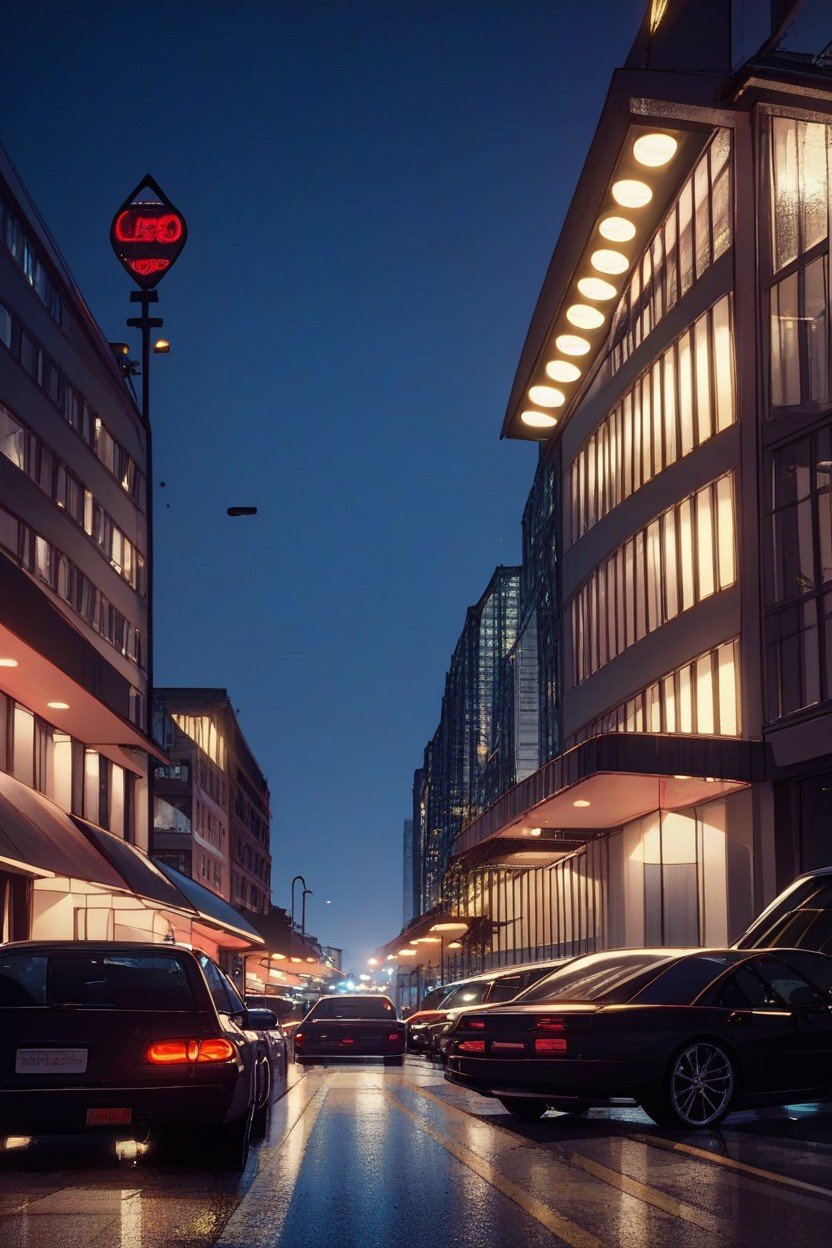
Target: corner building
x=676 y=374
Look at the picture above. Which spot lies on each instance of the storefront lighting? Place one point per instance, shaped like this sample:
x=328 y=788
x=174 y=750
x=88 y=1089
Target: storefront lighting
x=58 y=706
x=608 y=261
x=372 y=961
x=617 y=229
x=581 y=803
x=630 y=193
x=571 y=344
x=407 y=953
x=547 y=396
x=535 y=831
x=8 y=662
x=596 y=288
x=455 y=944
x=582 y=316
x=538 y=420
x=562 y=370
x=655 y=150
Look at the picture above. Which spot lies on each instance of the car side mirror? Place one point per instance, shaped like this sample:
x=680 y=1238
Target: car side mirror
x=260 y=1020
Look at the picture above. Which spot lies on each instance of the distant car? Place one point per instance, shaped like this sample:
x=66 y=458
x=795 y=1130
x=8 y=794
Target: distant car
x=800 y=916
x=128 y=1039
x=351 y=1025
x=429 y=1011
x=490 y=988
x=690 y=1035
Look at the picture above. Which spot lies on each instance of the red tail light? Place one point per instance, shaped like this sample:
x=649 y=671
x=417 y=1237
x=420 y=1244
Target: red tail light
x=476 y=1024
x=299 y=1037
x=471 y=1046
x=550 y=1046
x=395 y=1035
x=348 y=1040
x=175 y=1052
x=550 y=1024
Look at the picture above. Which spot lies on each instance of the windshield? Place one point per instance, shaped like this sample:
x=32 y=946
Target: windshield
x=467 y=994
x=354 y=1007
x=600 y=975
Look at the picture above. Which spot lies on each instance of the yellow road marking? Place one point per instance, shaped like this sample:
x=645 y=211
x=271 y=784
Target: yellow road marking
x=676 y=1146
x=632 y=1187
x=559 y=1225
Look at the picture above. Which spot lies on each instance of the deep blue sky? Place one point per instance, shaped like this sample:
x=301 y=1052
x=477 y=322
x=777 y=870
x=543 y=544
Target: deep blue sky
x=373 y=191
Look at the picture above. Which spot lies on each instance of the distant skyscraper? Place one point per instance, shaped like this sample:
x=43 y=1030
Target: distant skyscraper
x=407 y=874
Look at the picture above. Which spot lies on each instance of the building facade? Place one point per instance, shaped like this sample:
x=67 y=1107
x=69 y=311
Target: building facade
x=211 y=801
x=676 y=588
x=74 y=621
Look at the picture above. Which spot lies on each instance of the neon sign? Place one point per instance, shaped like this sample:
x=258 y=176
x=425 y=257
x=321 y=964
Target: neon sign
x=148 y=233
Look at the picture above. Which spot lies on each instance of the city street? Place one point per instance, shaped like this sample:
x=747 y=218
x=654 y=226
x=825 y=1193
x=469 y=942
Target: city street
x=362 y=1154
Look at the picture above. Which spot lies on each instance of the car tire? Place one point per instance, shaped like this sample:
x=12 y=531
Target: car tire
x=394 y=1061
x=697 y=1090
x=569 y=1107
x=523 y=1108
x=228 y=1145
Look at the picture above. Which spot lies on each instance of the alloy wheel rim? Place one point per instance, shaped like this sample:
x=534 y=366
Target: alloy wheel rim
x=702 y=1084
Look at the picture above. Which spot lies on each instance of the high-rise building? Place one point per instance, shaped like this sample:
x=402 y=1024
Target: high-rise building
x=211 y=817
x=74 y=622
x=677 y=552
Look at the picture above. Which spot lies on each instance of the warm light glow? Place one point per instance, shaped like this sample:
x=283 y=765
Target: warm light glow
x=571 y=344
x=58 y=706
x=630 y=193
x=655 y=150
x=538 y=420
x=407 y=953
x=596 y=288
x=455 y=944
x=452 y=926
x=581 y=802
x=431 y=940
x=608 y=261
x=617 y=229
x=391 y=957
x=535 y=831
x=295 y=959
x=8 y=662
x=584 y=317
x=372 y=961
x=547 y=396
x=562 y=370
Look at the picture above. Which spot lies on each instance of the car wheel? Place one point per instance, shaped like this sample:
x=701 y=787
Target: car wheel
x=698 y=1088
x=569 y=1107
x=228 y=1145
x=523 y=1108
x=394 y=1061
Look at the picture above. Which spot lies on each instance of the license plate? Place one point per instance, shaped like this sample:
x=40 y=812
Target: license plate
x=108 y=1117
x=50 y=1062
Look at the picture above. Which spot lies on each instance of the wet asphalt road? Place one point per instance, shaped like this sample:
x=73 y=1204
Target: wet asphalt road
x=366 y=1155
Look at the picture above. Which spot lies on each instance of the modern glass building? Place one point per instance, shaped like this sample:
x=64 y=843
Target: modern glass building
x=677 y=555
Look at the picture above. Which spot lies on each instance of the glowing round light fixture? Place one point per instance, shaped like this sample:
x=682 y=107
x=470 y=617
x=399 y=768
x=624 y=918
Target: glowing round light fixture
x=608 y=261
x=596 y=288
x=8 y=662
x=571 y=344
x=562 y=370
x=655 y=150
x=584 y=317
x=581 y=802
x=547 y=396
x=538 y=420
x=630 y=193
x=617 y=229
x=535 y=831
x=58 y=706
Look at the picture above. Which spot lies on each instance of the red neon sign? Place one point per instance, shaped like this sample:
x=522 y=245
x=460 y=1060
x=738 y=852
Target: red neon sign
x=148 y=233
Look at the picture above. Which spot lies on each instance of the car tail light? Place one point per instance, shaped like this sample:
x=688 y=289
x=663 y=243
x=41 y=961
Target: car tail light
x=550 y=1024
x=175 y=1052
x=299 y=1037
x=471 y=1046
x=348 y=1040
x=395 y=1035
x=550 y=1046
x=476 y=1024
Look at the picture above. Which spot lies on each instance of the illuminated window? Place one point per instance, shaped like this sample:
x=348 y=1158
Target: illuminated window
x=680 y=559
x=25 y=253
x=682 y=400
x=203 y=730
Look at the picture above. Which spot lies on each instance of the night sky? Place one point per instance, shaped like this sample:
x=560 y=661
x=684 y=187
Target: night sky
x=373 y=191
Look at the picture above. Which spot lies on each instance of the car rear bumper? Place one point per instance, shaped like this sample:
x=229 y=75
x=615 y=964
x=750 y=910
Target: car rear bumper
x=63 y=1111
x=592 y=1081
x=361 y=1048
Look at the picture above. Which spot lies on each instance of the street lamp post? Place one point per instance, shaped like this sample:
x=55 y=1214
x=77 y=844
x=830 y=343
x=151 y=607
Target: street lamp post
x=307 y=892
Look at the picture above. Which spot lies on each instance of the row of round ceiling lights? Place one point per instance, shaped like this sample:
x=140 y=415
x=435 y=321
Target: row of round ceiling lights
x=652 y=151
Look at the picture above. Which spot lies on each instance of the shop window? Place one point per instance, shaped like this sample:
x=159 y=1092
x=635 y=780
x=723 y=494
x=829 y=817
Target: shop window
x=23 y=752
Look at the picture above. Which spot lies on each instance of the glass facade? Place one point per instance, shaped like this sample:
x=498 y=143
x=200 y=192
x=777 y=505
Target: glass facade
x=682 y=400
x=681 y=558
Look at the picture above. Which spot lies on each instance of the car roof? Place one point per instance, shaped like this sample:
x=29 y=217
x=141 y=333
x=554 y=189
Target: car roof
x=123 y=946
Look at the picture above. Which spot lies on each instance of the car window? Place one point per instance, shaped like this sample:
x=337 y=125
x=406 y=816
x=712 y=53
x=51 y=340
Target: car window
x=787 y=983
x=803 y=929
x=505 y=988
x=816 y=967
x=596 y=976
x=22 y=979
x=467 y=994
x=120 y=981
x=743 y=991
x=814 y=893
x=354 y=1007
x=684 y=981
x=432 y=998
x=217 y=986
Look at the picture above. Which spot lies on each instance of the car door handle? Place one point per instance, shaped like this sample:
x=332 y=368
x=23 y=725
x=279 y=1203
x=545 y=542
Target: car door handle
x=737 y=1018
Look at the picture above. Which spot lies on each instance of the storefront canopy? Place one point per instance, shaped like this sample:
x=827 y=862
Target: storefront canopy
x=38 y=838
x=142 y=876
x=216 y=912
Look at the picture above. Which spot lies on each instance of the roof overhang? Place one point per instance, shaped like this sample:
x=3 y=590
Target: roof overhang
x=608 y=781
x=639 y=102
x=428 y=931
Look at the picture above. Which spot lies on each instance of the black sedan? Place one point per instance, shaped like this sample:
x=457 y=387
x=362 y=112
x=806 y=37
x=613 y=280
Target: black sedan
x=128 y=1039
x=688 y=1034
x=351 y=1026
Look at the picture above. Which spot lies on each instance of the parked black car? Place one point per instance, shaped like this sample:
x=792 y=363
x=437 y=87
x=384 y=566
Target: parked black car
x=430 y=1011
x=347 y=1025
x=689 y=1035
x=128 y=1039
x=800 y=916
